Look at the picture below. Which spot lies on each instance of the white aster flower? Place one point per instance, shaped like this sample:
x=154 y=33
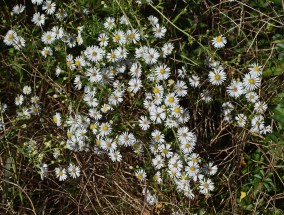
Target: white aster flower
x=19 y=8
x=217 y=77
x=251 y=81
x=219 y=42
x=49 y=7
x=61 y=173
x=235 y=89
x=74 y=171
x=38 y=19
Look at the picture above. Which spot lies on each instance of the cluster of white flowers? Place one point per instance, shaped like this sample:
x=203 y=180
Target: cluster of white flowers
x=246 y=91
x=131 y=100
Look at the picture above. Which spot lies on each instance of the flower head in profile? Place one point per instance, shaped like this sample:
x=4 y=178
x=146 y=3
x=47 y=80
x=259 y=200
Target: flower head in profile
x=19 y=8
x=57 y=119
x=219 y=42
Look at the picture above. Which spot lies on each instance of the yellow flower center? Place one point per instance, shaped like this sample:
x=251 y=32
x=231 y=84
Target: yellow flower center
x=98 y=142
x=162 y=71
x=187 y=145
x=10 y=36
x=117 y=37
x=104 y=128
x=112 y=55
x=92 y=126
x=192 y=168
x=156 y=90
x=219 y=39
x=194 y=160
x=206 y=185
x=177 y=110
x=46 y=52
x=165 y=151
x=55 y=119
x=131 y=36
x=77 y=63
x=171 y=99
x=255 y=68
x=217 y=77
x=251 y=81
x=48 y=37
x=139 y=176
x=94 y=54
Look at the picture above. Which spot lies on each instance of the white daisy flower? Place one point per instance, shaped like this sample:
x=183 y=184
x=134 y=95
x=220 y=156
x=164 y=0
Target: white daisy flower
x=150 y=55
x=74 y=171
x=180 y=88
x=159 y=31
x=187 y=147
x=78 y=82
x=121 y=53
x=171 y=100
x=58 y=32
x=158 y=136
x=219 y=42
x=206 y=186
x=154 y=20
x=194 y=81
x=260 y=107
x=217 y=77
x=19 y=8
x=47 y=51
x=119 y=37
x=27 y=90
x=252 y=97
x=105 y=129
x=167 y=48
x=255 y=69
x=135 y=84
x=165 y=150
x=192 y=169
x=115 y=156
x=61 y=173
x=144 y=123
x=37 y=2
x=79 y=61
x=103 y=39
x=38 y=19
x=49 y=7
x=251 y=81
x=162 y=72
x=140 y=174
x=94 y=53
x=19 y=100
x=48 y=37
x=109 y=23
x=108 y=145
x=235 y=89
x=133 y=35
x=157 y=115
x=111 y=56
x=57 y=119
x=241 y=120
x=9 y=38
